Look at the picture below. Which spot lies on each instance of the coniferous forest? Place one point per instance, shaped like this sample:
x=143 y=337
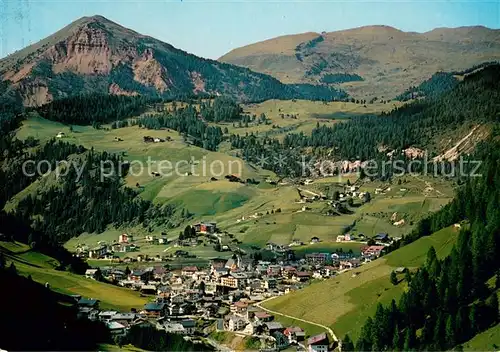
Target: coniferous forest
x=475 y=100
x=448 y=300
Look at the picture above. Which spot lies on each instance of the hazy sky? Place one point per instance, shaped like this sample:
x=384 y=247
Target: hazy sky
x=212 y=28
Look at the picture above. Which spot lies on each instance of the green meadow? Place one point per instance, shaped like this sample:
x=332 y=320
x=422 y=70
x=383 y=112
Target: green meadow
x=345 y=301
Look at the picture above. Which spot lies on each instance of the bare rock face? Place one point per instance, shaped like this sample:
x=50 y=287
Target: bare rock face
x=116 y=90
x=35 y=93
x=148 y=71
x=85 y=52
x=198 y=82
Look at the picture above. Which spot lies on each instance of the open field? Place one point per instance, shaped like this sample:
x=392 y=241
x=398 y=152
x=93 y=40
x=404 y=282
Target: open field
x=42 y=269
x=488 y=340
x=301 y=115
x=255 y=214
x=345 y=301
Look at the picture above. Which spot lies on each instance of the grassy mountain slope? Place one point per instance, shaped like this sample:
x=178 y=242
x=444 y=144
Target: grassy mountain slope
x=488 y=340
x=344 y=302
x=389 y=60
x=42 y=269
x=96 y=55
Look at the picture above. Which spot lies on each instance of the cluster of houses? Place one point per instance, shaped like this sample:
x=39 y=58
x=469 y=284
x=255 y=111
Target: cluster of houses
x=226 y=294
x=126 y=244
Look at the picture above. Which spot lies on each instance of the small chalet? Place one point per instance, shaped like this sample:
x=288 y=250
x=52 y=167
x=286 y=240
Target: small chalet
x=189 y=326
x=294 y=334
x=155 y=309
x=373 y=251
x=92 y=274
x=263 y=316
x=98 y=252
x=124 y=238
x=116 y=329
x=382 y=237
x=316 y=258
x=318 y=343
x=88 y=302
x=205 y=227
x=314 y=240
x=301 y=276
x=272 y=327
x=189 y=270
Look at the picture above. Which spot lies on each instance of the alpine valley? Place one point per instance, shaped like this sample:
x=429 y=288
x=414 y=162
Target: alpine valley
x=317 y=191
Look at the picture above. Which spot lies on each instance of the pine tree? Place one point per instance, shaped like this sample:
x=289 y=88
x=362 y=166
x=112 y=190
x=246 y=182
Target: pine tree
x=396 y=339
x=409 y=341
x=450 y=336
x=347 y=344
x=394 y=278
x=408 y=276
x=492 y=306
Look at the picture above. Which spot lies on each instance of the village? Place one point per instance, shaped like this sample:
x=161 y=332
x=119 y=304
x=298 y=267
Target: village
x=226 y=295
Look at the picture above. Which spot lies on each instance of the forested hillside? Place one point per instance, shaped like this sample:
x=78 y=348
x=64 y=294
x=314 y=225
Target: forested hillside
x=83 y=198
x=476 y=100
x=49 y=317
x=94 y=55
x=450 y=300
x=439 y=83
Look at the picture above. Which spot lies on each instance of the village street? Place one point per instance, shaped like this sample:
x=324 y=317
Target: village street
x=259 y=304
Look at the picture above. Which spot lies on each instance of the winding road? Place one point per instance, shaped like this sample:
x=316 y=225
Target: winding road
x=330 y=331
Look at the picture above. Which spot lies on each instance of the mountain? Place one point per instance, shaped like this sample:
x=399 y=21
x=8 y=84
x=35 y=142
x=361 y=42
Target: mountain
x=388 y=61
x=96 y=55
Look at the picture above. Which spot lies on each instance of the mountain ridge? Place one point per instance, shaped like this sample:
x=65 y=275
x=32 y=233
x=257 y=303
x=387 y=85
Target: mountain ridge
x=96 y=55
x=388 y=59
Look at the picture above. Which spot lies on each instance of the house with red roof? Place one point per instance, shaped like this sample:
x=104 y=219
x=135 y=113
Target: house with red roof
x=318 y=343
x=294 y=334
x=189 y=270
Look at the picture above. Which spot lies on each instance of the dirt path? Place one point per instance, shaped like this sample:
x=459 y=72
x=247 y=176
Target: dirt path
x=330 y=331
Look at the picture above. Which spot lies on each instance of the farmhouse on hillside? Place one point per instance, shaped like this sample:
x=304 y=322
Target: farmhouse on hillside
x=205 y=227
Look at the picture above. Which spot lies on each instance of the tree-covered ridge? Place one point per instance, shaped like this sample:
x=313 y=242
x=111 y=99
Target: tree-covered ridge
x=221 y=109
x=439 y=83
x=187 y=122
x=87 y=196
x=337 y=78
x=448 y=301
x=102 y=200
x=91 y=108
x=310 y=44
x=475 y=100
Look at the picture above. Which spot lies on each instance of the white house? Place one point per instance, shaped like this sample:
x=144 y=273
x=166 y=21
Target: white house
x=318 y=343
x=236 y=323
x=91 y=274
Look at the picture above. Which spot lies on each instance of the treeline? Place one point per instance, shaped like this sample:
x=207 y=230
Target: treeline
x=186 y=122
x=239 y=83
x=474 y=68
x=87 y=198
x=475 y=100
x=439 y=83
x=448 y=300
x=336 y=78
x=34 y=318
x=221 y=109
x=91 y=108
x=150 y=339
